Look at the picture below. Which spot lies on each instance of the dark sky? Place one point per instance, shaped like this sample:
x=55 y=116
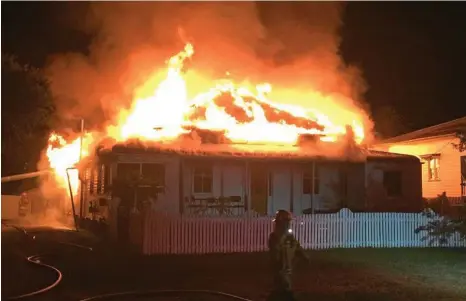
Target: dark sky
x=412 y=54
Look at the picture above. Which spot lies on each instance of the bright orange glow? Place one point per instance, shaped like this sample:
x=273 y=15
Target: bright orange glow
x=245 y=114
x=63 y=155
x=164 y=109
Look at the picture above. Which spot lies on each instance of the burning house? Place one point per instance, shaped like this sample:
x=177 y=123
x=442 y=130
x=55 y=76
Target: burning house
x=230 y=151
x=224 y=179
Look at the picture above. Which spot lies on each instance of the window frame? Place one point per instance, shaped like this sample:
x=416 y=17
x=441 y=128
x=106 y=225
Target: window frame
x=312 y=184
x=160 y=176
x=202 y=176
x=433 y=177
x=126 y=177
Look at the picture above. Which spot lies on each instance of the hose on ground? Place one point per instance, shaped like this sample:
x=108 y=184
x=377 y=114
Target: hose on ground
x=161 y=293
x=36 y=259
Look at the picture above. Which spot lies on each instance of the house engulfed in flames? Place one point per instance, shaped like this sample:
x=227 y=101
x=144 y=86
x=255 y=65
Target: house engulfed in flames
x=232 y=152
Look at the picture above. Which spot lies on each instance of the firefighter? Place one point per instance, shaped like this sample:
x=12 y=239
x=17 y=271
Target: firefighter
x=283 y=247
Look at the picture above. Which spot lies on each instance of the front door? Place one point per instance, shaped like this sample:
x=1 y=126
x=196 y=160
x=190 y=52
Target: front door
x=259 y=191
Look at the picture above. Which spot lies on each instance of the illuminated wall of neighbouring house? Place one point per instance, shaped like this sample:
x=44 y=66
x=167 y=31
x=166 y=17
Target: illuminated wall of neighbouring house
x=449 y=163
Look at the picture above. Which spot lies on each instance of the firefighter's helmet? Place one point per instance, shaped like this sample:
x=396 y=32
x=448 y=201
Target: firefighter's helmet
x=282 y=216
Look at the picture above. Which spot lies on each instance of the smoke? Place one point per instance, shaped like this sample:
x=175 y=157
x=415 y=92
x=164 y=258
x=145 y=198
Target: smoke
x=294 y=46
x=46 y=208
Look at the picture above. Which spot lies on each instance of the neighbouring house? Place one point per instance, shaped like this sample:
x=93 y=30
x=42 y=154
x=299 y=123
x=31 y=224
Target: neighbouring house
x=216 y=180
x=444 y=167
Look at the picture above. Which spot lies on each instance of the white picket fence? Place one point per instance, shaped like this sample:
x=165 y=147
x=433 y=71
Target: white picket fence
x=162 y=234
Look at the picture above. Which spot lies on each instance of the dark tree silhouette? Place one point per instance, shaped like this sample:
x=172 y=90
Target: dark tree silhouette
x=461 y=145
x=27 y=114
x=389 y=123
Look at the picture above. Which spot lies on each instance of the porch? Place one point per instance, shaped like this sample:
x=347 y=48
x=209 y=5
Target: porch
x=244 y=186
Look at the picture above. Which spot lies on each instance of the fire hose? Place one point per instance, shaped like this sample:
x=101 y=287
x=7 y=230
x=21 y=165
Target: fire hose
x=34 y=174
x=162 y=293
x=37 y=260
x=25 y=175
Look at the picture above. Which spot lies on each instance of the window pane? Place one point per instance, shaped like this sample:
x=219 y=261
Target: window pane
x=154 y=172
x=308 y=183
x=197 y=184
x=207 y=171
x=206 y=184
x=128 y=170
x=433 y=168
x=202 y=179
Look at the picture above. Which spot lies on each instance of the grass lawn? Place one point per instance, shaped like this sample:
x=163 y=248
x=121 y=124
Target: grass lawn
x=343 y=274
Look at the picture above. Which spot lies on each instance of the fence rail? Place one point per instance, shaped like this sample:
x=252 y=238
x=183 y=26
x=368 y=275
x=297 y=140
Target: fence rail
x=164 y=234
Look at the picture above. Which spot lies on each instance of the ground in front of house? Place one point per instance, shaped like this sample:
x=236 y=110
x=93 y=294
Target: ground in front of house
x=349 y=274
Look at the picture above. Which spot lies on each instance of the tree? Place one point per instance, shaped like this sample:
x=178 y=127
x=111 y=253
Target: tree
x=388 y=122
x=27 y=114
x=461 y=145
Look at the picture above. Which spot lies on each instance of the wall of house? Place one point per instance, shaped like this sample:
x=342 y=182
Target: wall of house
x=356 y=186
x=228 y=179
x=232 y=178
x=409 y=199
x=281 y=187
x=328 y=198
x=449 y=163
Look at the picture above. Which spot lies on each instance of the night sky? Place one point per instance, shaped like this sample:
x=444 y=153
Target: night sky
x=412 y=54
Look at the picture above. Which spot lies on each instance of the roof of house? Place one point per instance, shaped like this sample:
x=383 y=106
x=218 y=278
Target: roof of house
x=327 y=152
x=446 y=128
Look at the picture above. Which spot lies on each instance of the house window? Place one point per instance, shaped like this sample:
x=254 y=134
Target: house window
x=433 y=168
x=392 y=183
x=128 y=171
x=309 y=184
x=202 y=180
x=154 y=172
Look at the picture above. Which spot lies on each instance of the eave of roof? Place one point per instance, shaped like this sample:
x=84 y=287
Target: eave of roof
x=355 y=154
x=443 y=129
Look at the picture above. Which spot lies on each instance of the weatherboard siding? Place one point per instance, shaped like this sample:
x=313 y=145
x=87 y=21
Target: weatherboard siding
x=410 y=199
x=230 y=179
x=281 y=188
x=233 y=180
x=449 y=163
x=327 y=198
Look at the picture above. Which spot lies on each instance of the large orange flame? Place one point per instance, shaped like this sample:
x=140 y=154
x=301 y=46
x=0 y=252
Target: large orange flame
x=63 y=155
x=244 y=114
